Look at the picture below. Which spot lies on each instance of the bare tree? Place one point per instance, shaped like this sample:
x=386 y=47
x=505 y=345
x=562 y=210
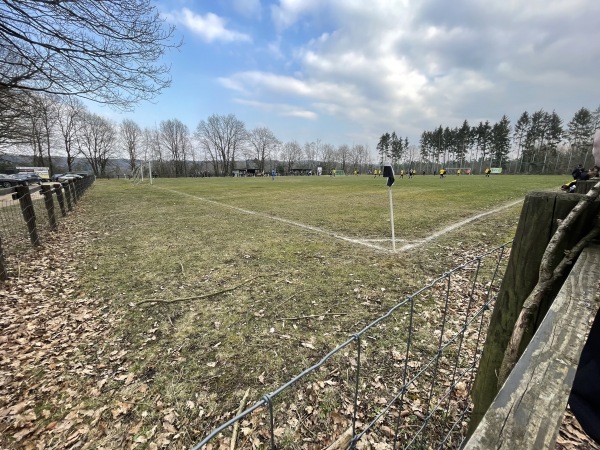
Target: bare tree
x=105 y=51
x=47 y=105
x=36 y=136
x=69 y=114
x=97 y=141
x=175 y=137
x=131 y=137
x=291 y=153
x=310 y=152
x=263 y=144
x=343 y=155
x=328 y=156
x=153 y=150
x=41 y=115
x=14 y=127
x=222 y=137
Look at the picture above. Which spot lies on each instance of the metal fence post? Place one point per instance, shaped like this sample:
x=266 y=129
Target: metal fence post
x=47 y=193
x=28 y=213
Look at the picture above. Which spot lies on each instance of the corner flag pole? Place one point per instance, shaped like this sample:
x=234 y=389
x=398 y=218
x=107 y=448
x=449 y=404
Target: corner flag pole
x=392 y=219
x=388 y=171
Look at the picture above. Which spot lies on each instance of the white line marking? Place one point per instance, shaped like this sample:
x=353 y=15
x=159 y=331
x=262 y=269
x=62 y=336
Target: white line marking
x=287 y=221
x=456 y=225
x=363 y=242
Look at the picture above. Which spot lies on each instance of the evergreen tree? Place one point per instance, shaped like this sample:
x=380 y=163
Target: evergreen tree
x=383 y=147
x=580 y=133
x=500 y=142
x=396 y=149
x=521 y=131
x=463 y=142
x=483 y=135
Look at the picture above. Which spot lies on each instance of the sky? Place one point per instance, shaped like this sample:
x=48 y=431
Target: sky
x=347 y=71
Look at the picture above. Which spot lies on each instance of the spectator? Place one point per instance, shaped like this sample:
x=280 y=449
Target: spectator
x=587 y=174
x=577 y=172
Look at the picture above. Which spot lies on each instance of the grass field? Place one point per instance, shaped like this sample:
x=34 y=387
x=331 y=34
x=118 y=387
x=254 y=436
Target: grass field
x=271 y=252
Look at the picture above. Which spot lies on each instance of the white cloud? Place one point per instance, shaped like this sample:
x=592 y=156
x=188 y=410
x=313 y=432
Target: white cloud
x=387 y=65
x=288 y=12
x=209 y=27
x=282 y=109
x=248 y=8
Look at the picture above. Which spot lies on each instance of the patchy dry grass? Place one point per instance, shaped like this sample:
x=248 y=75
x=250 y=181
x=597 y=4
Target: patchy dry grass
x=244 y=301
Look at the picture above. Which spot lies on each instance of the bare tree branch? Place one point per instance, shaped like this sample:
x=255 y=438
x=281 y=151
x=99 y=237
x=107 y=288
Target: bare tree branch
x=104 y=51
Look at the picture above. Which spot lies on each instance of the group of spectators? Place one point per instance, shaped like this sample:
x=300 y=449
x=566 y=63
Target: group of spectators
x=579 y=173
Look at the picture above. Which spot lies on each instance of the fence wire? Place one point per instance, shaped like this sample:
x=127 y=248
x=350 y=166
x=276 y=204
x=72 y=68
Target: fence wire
x=26 y=215
x=402 y=382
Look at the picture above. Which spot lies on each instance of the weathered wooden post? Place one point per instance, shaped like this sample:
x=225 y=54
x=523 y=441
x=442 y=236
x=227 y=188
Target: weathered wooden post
x=68 y=195
x=3 y=273
x=537 y=224
x=60 y=197
x=73 y=191
x=47 y=193
x=28 y=213
x=583 y=186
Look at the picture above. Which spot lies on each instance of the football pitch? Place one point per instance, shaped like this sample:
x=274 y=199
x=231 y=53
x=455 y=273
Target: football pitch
x=228 y=284
x=358 y=206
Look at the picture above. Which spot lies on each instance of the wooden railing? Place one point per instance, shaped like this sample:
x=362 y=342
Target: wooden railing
x=528 y=410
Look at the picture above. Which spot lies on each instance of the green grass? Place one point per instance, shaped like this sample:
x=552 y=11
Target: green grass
x=181 y=238
x=359 y=206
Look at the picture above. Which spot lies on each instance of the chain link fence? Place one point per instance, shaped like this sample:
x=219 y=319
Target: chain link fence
x=403 y=381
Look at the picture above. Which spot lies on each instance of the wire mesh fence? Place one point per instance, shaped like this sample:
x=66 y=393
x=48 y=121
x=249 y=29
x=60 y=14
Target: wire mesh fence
x=28 y=214
x=403 y=381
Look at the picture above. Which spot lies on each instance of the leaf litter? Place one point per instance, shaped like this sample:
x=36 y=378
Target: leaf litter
x=67 y=380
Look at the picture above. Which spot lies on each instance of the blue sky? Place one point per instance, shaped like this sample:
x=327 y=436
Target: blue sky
x=347 y=71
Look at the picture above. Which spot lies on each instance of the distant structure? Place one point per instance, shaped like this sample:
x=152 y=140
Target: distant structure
x=596 y=148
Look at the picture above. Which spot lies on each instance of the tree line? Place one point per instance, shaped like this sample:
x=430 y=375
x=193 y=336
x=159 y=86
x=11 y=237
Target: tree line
x=52 y=125
x=54 y=53
x=538 y=143
x=49 y=125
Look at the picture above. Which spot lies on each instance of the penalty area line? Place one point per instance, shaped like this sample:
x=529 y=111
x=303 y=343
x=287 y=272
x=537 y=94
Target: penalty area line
x=286 y=221
x=456 y=225
x=364 y=242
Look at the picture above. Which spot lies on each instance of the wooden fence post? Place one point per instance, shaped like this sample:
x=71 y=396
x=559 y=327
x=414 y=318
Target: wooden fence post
x=47 y=193
x=28 y=213
x=537 y=224
x=583 y=186
x=68 y=195
x=3 y=273
x=60 y=197
x=73 y=192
